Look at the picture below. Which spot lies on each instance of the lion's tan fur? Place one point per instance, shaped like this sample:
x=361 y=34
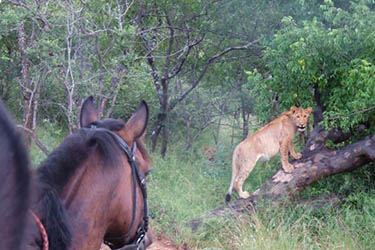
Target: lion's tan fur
x=276 y=136
x=209 y=152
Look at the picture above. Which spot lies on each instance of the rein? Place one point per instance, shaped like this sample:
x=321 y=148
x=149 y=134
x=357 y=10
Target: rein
x=43 y=232
x=139 y=241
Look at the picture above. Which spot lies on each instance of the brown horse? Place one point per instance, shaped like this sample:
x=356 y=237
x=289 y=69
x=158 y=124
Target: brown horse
x=92 y=187
x=14 y=184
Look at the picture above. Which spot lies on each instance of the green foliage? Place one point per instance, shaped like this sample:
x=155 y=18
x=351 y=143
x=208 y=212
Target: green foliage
x=331 y=54
x=51 y=136
x=80 y=49
x=356 y=103
x=260 y=91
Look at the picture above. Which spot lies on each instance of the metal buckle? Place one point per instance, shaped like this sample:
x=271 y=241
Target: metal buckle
x=141 y=235
x=140 y=239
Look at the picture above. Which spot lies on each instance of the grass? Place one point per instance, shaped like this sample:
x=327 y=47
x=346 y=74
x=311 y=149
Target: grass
x=51 y=136
x=185 y=185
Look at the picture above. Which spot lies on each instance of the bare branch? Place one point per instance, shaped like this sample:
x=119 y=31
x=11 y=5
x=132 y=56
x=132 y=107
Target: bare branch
x=203 y=72
x=43 y=148
x=170 y=47
x=178 y=66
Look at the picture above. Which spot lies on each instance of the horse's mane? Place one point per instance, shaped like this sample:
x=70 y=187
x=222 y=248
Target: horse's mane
x=14 y=186
x=54 y=173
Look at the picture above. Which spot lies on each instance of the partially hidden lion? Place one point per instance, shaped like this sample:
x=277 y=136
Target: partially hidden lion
x=276 y=136
x=209 y=152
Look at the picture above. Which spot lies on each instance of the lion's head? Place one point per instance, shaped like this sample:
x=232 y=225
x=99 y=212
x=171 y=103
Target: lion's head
x=300 y=117
x=209 y=152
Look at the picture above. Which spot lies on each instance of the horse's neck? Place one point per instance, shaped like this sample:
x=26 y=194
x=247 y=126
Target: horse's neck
x=84 y=198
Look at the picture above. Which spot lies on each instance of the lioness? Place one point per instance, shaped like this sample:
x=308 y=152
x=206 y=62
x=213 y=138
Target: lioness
x=209 y=152
x=276 y=136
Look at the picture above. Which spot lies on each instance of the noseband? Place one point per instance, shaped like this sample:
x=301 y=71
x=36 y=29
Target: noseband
x=138 y=243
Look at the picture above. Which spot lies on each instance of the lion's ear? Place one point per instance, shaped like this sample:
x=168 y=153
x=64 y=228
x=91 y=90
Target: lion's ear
x=293 y=109
x=309 y=110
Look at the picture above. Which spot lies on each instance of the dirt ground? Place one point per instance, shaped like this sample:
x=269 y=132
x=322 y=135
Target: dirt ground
x=158 y=244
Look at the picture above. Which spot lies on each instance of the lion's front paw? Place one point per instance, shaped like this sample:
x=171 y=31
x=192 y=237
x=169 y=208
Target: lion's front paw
x=298 y=156
x=244 y=195
x=288 y=168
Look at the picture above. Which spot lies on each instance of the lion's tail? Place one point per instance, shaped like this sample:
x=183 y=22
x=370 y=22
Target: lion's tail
x=229 y=193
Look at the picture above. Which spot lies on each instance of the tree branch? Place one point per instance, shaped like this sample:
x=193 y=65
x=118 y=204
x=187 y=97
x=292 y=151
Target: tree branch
x=178 y=66
x=43 y=148
x=203 y=72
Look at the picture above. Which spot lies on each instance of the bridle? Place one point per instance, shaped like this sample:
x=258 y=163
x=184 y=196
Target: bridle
x=138 y=243
x=42 y=230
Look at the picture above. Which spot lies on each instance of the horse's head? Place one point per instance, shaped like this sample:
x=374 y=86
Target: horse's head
x=131 y=131
x=127 y=205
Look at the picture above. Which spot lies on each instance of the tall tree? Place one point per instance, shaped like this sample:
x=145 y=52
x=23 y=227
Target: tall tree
x=23 y=29
x=173 y=38
x=60 y=58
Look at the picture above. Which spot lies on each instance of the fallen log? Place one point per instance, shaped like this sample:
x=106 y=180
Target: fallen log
x=317 y=163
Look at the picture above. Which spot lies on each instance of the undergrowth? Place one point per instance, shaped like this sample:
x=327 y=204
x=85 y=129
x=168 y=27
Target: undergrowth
x=185 y=185
x=51 y=136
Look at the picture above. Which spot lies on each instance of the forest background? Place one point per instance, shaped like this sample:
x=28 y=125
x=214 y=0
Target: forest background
x=212 y=72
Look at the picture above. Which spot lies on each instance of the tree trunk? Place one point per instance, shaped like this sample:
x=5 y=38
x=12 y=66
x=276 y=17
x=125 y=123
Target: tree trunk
x=216 y=134
x=317 y=163
x=26 y=84
x=164 y=144
x=162 y=120
x=160 y=127
x=188 y=132
x=245 y=121
x=156 y=131
x=245 y=110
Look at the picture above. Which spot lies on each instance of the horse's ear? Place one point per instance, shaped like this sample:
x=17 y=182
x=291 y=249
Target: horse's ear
x=89 y=113
x=136 y=125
